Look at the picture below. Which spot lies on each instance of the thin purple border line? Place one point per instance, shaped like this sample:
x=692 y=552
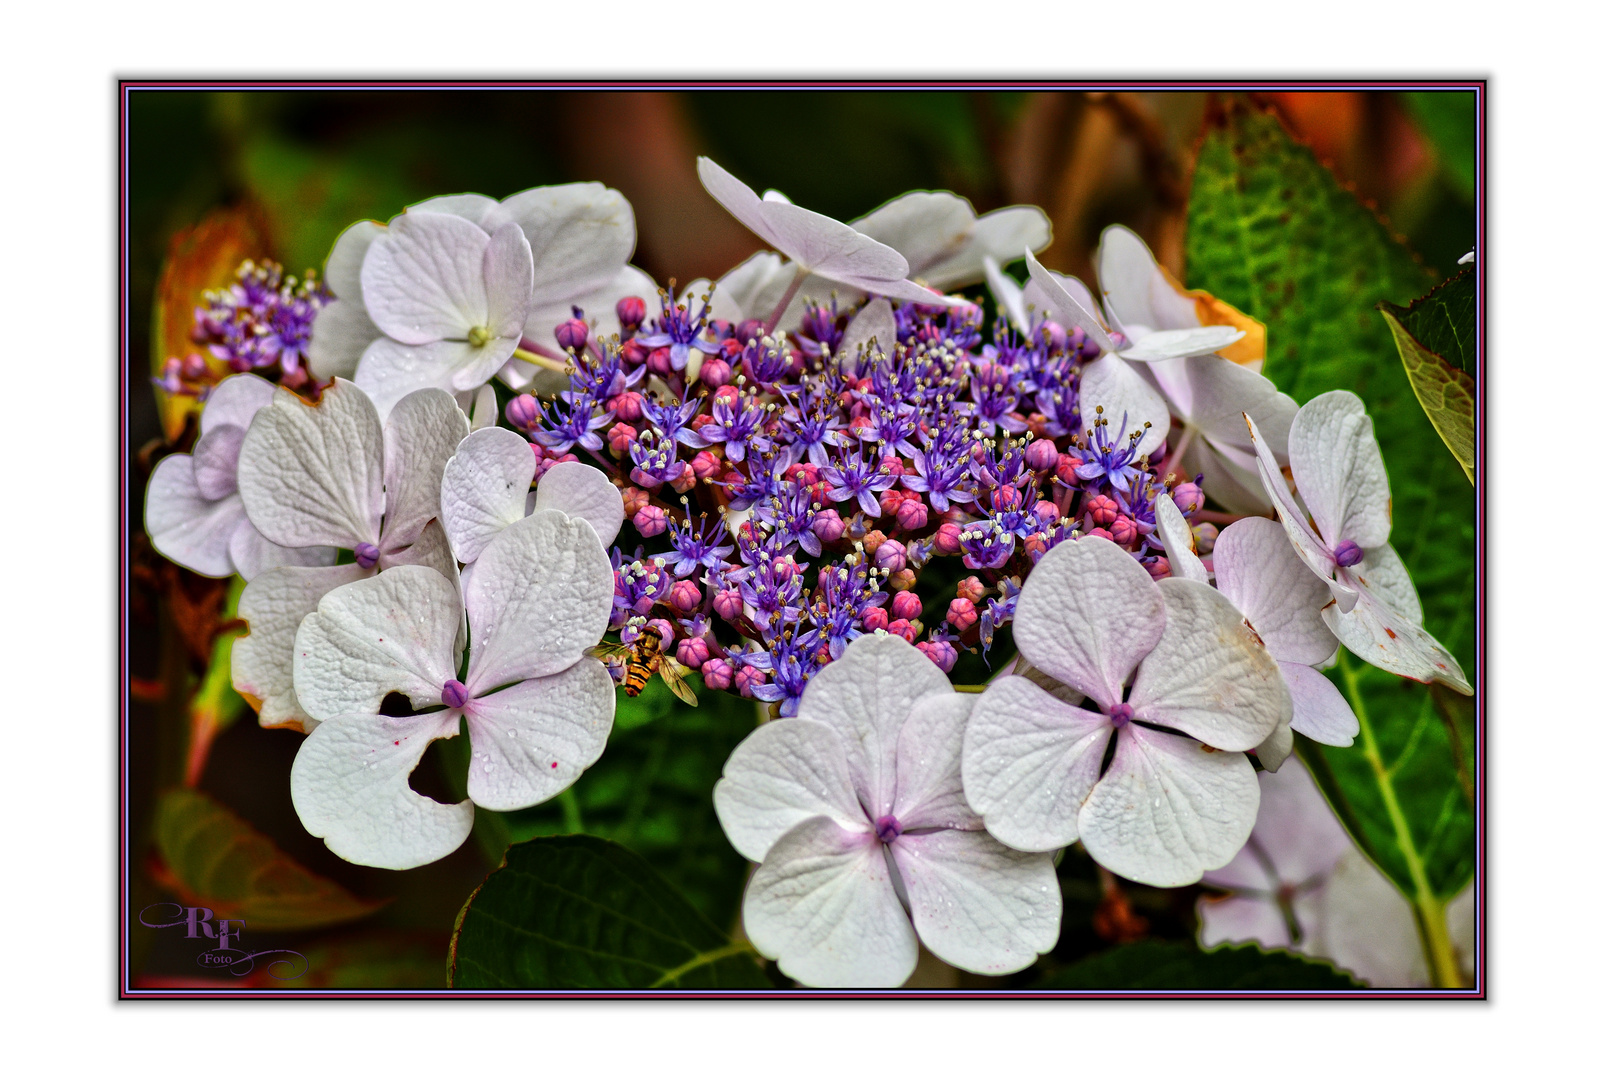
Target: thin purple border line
x=126 y=990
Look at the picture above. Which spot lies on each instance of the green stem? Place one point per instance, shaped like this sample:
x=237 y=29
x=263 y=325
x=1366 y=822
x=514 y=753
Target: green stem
x=1431 y=920
x=570 y=805
x=541 y=361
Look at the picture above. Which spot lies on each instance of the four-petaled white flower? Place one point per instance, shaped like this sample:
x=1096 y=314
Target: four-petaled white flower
x=538 y=710
x=1178 y=685
x=1301 y=884
x=331 y=474
x=1208 y=393
x=817 y=245
x=485 y=488
x=193 y=510
x=855 y=810
x=1338 y=469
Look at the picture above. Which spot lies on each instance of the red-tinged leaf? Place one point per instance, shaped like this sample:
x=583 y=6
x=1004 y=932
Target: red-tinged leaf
x=214 y=859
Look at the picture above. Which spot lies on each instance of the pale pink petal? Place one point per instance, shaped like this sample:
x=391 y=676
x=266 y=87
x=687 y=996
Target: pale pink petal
x=1208 y=675
x=252 y=553
x=1177 y=536
x=866 y=695
x=1319 y=708
x=509 y=275
x=533 y=739
x=1364 y=925
x=273 y=606
x=925 y=227
x=185 y=526
x=1087 y=616
x=823 y=905
x=484 y=489
x=1068 y=310
x=482 y=210
x=313 y=475
x=1220 y=392
x=389 y=370
x=341 y=333
x=424 y=280
x=979 y=905
x=930 y=787
x=1006 y=291
x=1315 y=552
x=1029 y=763
x=1169 y=809
x=1338 y=467
x=1276 y=748
x=236 y=400
x=580 y=236
x=584 y=492
x=1127 y=401
x=349 y=786
x=1135 y=291
x=1262 y=575
x=390 y=633
x=1002 y=233
x=343 y=270
x=540 y=595
x=1383 y=573
x=421 y=435
x=782 y=774
x=1381 y=637
x=874 y=322
x=1172 y=344
x=1241 y=919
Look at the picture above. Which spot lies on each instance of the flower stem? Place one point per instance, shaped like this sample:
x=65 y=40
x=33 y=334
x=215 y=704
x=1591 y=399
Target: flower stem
x=541 y=361
x=1431 y=921
x=785 y=301
x=570 y=805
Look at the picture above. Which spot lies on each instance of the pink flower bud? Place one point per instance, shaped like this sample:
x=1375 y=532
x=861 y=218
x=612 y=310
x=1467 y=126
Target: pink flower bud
x=901 y=581
x=619 y=438
x=716 y=674
x=940 y=653
x=631 y=311
x=660 y=362
x=1101 y=509
x=727 y=604
x=828 y=526
x=1066 y=470
x=544 y=464
x=1036 y=546
x=1057 y=337
x=684 y=596
x=1189 y=497
x=626 y=406
x=1101 y=532
x=524 y=412
x=1123 y=531
x=715 y=372
x=961 y=614
x=749 y=330
x=911 y=513
x=972 y=589
x=890 y=555
x=1006 y=497
x=946 y=541
x=650 y=520
x=890 y=501
x=665 y=630
x=706 y=464
x=684 y=482
x=193 y=367
x=875 y=619
x=872 y=541
x=893 y=465
x=635 y=500
x=727 y=394
x=1204 y=537
x=634 y=353
x=1047 y=511
x=1159 y=569
x=902 y=629
x=1042 y=455
x=748 y=679
x=572 y=334
x=692 y=652
x=905 y=605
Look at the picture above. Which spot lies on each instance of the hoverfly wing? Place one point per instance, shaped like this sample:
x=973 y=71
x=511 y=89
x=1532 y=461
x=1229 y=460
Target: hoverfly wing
x=674 y=677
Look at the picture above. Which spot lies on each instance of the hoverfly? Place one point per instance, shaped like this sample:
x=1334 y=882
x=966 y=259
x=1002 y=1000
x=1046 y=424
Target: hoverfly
x=641 y=659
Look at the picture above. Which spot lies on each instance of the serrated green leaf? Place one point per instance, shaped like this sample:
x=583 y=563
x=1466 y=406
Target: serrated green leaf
x=1273 y=232
x=215 y=859
x=1437 y=340
x=652 y=792
x=579 y=912
x=1171 y=965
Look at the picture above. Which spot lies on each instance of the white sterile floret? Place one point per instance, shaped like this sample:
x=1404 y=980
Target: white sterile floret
x=816 y=244
x=486 y=484
x=1209 y=393
x=945 y=243
x=193 y=510
x=1281 y=601
x=538 y=710
x=855 y=810
x=1301 y=884
x=579 y=239
x=1338 y=469
x=332 y=474
x=1178 y=686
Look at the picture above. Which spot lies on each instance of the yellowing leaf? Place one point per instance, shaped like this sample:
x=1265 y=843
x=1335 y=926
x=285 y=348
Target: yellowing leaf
x=1447 y=394
x=216 y=860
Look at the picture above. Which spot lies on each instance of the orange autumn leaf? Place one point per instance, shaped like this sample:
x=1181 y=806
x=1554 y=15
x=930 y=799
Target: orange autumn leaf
x=1250 y=349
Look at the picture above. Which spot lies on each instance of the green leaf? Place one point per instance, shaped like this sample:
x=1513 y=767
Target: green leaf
x=1172 y=965
x=1271 y=231
x=1449 y=119
x=573 y=912
x=214 y=859
x=1437 y=340
x=652 y=792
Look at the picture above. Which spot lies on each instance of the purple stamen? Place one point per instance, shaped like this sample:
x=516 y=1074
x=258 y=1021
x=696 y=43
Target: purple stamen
x=888 y=828
x=454 y=694
x=1120 y=715
x=1348 y=553
x=367 y=555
